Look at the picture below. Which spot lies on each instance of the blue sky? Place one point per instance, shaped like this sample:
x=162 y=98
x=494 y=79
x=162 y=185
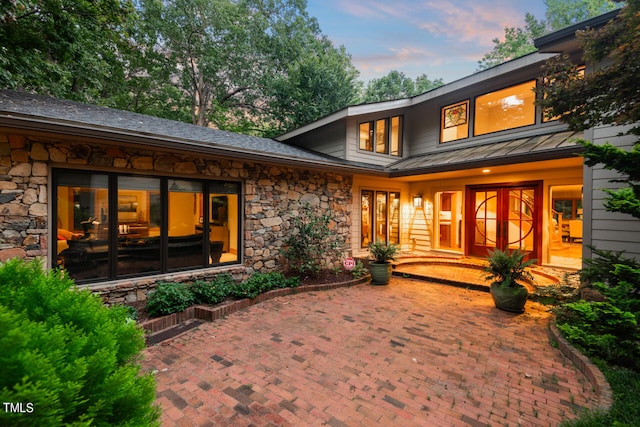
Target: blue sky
x=442 y=39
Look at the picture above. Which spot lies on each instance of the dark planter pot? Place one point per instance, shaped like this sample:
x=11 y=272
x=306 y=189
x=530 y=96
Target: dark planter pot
x=512 y=298
x=380 y=273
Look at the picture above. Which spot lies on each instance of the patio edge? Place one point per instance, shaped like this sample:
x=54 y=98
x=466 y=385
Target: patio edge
x=583 y=364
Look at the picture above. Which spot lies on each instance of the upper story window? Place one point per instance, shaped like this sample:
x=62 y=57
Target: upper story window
x=383 y=136
x=455 y=122
x=579 y=73
x=508 y=108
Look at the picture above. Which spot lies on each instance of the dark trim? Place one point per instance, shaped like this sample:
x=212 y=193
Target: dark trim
x=549 y=43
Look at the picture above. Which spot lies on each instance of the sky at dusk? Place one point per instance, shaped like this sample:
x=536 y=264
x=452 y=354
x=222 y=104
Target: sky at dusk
x=442 y=39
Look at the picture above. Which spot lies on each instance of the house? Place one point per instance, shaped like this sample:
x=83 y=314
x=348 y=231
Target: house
x=122 y=200
x=474 y=164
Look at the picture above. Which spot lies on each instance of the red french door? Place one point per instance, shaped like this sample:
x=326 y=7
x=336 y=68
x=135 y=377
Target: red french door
x=504 y=217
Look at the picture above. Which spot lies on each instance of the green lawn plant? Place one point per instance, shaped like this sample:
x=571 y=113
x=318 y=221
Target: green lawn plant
x=263 y=282
x=212 y=292
x=170 y=298
x=508 y=267
x=607 y=329
x=313 y=242
x=66 y=357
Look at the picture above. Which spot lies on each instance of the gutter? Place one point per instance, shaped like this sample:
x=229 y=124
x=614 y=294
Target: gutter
x=173 y=143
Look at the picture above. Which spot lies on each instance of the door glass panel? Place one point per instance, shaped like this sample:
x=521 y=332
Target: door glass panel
x=381 y=216
x=449 y=219
x=486 y=218
x=186 y=239
x=82 y=225
x=394 y=218
x=367 y=218
x=138 y=225
x=520 y=219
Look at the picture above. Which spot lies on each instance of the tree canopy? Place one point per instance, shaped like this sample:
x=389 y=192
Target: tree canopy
x=254 y=66
x=396 y=85
x=63 y=48
x=518 y=42
x=609 y=94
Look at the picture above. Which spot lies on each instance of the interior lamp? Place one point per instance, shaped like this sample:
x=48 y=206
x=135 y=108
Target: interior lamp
x=417 y=201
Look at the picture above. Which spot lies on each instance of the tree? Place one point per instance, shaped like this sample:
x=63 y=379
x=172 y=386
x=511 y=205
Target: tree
x=607 y=95
x=563 y=13
x=518 y=42
x=252 y=66
x=396 y=85
x=64 y=48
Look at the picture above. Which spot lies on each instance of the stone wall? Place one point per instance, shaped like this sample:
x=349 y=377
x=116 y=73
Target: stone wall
x=273 y=194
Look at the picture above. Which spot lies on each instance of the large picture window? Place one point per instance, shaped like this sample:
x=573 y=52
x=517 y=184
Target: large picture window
x=507 y=108
x=383 y=136
x=110 y=226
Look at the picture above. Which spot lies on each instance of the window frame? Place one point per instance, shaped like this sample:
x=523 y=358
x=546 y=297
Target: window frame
x=475 y=108
x=111 y=234
x=391 y=140
x=391 y=205
x=467 y=104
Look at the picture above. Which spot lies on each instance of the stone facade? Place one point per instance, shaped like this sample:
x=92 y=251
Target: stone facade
x=273 y=194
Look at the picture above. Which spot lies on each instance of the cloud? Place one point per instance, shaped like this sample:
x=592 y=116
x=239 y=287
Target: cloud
x=468 y=21
x=362 y=9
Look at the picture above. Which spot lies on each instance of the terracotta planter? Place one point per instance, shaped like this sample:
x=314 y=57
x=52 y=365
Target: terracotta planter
x=511 y=298
x=380 y=273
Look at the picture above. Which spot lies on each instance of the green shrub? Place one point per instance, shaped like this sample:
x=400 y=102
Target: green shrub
x=312 y=243
x=263 y=282
x=359 y=270
x=67 y=355
x=169 y=298
x=602 y=330
x=608 y=330
x=212 y=292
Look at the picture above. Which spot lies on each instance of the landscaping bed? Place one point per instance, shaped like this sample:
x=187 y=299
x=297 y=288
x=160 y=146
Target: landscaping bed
x=168 y=326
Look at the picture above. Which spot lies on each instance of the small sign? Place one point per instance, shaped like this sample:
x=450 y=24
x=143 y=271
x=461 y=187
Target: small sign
x=349 y=263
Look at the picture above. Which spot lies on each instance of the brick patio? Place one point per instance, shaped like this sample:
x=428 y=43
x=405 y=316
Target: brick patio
x=410 y=353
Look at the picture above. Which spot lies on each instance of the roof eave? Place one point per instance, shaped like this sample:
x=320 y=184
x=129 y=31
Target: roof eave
x=24 y=123
x=564 y=39
x=555 y=154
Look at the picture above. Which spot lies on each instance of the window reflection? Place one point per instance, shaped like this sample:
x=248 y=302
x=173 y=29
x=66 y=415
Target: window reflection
x=82 y=224
x=111 y=225
x=139 y=240
x=507 y=108
x=186 y=241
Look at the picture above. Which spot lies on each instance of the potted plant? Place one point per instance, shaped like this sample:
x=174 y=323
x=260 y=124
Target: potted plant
x=506 y=269
x=381 y=255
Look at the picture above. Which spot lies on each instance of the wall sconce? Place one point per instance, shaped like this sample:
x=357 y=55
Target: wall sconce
x=417 y=201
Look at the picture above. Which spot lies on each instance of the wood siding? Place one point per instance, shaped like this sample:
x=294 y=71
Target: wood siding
x=611 y=230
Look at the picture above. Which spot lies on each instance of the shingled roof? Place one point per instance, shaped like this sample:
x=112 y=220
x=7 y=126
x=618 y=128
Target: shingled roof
x=35 y=112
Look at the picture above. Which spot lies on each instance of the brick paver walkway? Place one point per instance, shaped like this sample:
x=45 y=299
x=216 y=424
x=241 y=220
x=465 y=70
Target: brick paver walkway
x=407 y=354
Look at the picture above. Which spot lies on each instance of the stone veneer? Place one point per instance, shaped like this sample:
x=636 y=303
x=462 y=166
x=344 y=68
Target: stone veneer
x=273 y=194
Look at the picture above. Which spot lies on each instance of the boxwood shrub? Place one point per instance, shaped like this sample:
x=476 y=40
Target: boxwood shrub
x=66 y=358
